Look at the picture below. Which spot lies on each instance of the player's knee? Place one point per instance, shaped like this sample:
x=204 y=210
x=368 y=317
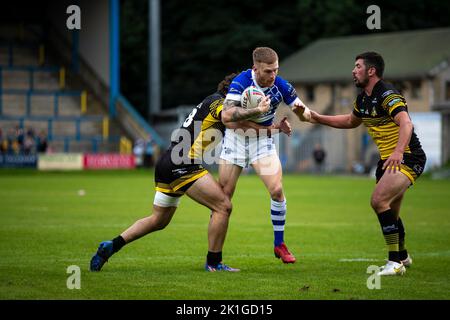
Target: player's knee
x=161 y=223
x=276 y=193
x=376 y=202
x=160 y=226
x=225 y=206
x=373 y=204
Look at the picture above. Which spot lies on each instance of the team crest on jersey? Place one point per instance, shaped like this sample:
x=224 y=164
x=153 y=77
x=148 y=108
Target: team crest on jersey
x=374 y=112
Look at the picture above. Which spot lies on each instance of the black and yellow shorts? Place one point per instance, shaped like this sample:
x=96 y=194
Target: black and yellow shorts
x=175 y=179
x=412 y=166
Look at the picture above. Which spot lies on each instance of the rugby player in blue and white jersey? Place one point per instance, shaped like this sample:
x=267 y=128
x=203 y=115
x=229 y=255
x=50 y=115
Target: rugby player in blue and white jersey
x=239 y=150
x=179 y=171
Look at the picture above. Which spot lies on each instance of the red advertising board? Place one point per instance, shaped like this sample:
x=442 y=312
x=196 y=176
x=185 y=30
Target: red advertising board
x=109 y=161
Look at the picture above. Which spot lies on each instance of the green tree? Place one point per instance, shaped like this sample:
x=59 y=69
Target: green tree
x=204 y=40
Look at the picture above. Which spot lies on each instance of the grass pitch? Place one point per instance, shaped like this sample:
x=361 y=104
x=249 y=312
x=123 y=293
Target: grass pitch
x=47 y=226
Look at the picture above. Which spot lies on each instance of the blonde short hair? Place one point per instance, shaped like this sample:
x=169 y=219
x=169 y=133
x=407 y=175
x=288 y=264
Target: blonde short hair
x=264 y=55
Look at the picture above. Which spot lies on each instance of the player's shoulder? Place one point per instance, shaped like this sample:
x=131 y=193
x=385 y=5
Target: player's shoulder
x=211 y=104
x=214 y=98
x=284 y=86
x=384 y=89
x=287 y=89
x=240 y=82
x=244 y=77
x=281 y=82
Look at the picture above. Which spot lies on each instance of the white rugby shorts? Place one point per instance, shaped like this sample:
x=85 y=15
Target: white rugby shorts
x=243 y=150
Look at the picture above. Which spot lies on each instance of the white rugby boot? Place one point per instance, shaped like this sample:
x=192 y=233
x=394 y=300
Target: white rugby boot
x=392 y=268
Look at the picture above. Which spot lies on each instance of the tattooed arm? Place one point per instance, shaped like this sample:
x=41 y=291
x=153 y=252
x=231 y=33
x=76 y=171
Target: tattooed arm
x=232 y=110
x=248 y=126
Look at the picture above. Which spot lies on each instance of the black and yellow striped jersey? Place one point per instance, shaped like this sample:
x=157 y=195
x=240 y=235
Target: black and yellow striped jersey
x=377 y=112
x=202 y=130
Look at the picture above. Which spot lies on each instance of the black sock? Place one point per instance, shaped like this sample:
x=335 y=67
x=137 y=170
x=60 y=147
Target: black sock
x=403 y=254
x=118 y=243
x=214 y=258
x=389 y=226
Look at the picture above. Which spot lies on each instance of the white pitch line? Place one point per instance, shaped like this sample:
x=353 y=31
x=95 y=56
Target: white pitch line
x=357 y=260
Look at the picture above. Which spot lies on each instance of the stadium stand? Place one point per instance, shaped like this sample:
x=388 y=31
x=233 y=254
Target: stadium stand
x=40 y=93
x=35 y=93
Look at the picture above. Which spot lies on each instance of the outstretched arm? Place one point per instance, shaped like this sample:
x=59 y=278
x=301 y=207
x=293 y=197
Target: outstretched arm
x=343 y=121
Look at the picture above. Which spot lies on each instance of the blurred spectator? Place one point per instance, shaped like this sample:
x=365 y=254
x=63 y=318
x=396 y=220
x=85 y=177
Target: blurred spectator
x=150 y=154
x=145 y=152
x=19 y=141
x=30 y=131
x=28 y=144
x=138 y=151
x=20 y=138
x=12 y=143
x=41 y=142
x=319 y=155
x=3 y=143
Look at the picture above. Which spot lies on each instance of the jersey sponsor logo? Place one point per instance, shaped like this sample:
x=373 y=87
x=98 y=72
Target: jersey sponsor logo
x=394 y=101
x=418 y=168
x=180 y=171
x=292 y=92
x=385 y=94
x=234 y=90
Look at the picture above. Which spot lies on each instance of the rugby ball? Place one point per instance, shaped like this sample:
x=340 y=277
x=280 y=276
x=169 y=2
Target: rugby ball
x=251 y=97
